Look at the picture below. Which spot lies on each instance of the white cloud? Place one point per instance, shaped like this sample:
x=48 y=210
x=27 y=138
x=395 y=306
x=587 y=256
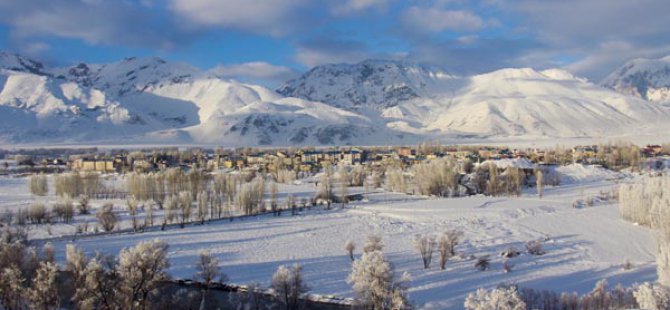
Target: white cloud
x=344 y=7
x=257 y=72
x=93 y=21
x=435 y=19
x=273 y=17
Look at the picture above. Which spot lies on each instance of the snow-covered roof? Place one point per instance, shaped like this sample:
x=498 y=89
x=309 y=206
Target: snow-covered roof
x=504 y=163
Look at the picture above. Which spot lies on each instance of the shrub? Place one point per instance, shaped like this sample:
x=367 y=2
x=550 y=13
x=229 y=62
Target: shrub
x=106 y=217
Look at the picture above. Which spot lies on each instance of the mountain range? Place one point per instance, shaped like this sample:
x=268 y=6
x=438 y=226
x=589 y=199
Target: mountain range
x=151 y=101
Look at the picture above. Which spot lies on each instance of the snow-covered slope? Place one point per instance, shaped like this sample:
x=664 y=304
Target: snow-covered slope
x=507 y=102
x=148 y=100
x=644 y=78
x=377 y=84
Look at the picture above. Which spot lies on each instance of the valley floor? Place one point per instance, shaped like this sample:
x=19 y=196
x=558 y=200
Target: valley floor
x=582 y=245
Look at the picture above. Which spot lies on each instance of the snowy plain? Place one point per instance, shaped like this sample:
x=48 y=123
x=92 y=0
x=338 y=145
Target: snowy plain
x=583 y=245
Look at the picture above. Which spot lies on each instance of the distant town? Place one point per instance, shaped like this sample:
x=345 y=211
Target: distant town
x=309 y=160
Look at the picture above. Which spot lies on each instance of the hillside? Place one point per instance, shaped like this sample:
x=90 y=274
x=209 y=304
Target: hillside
x=648 y=79
x=149 y=100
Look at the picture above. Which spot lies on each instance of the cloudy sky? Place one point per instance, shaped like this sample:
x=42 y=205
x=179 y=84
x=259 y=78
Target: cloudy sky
x=271 y=40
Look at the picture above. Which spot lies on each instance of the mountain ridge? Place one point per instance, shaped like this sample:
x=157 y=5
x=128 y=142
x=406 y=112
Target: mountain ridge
x=149 y=100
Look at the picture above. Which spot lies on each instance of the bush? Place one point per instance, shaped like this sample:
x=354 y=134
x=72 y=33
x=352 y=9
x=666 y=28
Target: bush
x=64 y=211
x=534 y=247
x=37 y=213
x=106 y=217
x=483 y=263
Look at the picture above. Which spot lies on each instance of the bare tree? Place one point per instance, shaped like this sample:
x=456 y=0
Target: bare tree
x=106 y=217
x=425 y=245
x=84 y=207
x=447 y=246
x=349 y=246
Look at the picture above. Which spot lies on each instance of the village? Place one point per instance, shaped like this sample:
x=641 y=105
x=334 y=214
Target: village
x=310 y=160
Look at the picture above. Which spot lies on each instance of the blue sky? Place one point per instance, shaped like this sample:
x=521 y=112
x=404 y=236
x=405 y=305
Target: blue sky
x=271 y=40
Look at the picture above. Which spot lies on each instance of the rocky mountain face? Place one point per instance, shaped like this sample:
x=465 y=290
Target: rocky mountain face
x=376 y=84
x=648 y=79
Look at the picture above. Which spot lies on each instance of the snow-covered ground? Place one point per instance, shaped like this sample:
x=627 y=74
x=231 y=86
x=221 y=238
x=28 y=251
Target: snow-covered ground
x=582 y=245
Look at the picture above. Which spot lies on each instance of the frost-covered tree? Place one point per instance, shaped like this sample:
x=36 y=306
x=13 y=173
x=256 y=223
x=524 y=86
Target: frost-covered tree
x=43 y=293
x=207 y=268
x=141 y=270
x=652 y=296
x=48 y=253
x=372 y=279
x=289 y=285
x=373 y=243
x=426 y=246
x=395 y=181
x=496 y=299
x=99 y=288
x=350 y=246
x=106 y=217
x=11 y=288
x=75 y=263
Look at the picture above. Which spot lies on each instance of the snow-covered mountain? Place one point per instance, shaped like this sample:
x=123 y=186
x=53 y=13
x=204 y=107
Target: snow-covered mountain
x=648 y=79
x=149 y=100
x=508 y=102
x=376 y=84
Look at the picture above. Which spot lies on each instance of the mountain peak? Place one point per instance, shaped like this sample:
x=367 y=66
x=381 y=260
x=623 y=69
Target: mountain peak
x=648 y=79
x=15 y=62
x=372 y=83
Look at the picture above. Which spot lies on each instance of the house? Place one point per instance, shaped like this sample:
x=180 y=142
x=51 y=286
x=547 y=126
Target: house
x=406 y=152
x=91 y=165
x=652 y=150
x=583 y=152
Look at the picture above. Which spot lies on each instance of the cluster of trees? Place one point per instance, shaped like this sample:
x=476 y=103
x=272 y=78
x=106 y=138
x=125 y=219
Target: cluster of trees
x=446 y=247
x=76 y=184
x=648 y=204
x=644 y=296
x=446 y=177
